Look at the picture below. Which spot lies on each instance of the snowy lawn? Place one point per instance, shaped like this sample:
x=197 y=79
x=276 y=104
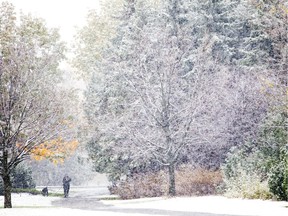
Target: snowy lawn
x=31 y=205
x=210 y=204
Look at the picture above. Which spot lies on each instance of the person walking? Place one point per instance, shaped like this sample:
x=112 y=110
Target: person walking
x=66 y=185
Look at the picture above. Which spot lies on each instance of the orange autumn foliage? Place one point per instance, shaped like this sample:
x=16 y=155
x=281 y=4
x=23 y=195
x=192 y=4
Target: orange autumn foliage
x=55 y=150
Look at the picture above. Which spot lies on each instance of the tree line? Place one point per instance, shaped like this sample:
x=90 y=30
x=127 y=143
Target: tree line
x=181 y=82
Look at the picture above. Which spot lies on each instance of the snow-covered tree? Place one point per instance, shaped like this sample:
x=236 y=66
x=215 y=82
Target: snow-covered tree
x=31 y=105
x=153 y=101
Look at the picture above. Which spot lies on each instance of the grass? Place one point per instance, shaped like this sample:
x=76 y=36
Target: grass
x=34 y=191
x=56 y=194
x=110 y=198
x=32 y=207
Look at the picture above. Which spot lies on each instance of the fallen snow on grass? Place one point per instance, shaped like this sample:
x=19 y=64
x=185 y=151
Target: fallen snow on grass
x=29 y=205
x=29 y=200
x=209 y=204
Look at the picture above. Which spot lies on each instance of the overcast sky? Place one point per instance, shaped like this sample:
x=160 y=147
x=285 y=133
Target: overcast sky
x=64 y=14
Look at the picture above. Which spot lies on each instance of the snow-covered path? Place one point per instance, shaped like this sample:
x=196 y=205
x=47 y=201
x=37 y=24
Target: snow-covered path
x=83 y=204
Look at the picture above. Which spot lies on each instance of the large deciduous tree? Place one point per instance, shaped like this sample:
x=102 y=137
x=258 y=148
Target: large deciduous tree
x=153 y=99
x=31 y=105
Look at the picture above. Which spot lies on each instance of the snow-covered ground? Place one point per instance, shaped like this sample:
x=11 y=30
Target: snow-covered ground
x=29 y=205
x=215 y=205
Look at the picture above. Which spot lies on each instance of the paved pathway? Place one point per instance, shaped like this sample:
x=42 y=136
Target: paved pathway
x=89 y=199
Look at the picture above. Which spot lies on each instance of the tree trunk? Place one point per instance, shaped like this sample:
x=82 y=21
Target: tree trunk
x=172 y=189
x=7 y=191
x=7 y=185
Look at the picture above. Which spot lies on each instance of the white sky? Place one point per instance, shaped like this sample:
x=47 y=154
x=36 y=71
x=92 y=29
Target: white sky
x=63 y=14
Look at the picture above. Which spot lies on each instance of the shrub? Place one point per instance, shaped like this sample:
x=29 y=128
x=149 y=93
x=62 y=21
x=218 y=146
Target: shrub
x=278 y=181
x=276 y=149
x=197 y=181
x=248 y=186
x=255 y=170
x=142 y=185
x=21 y=177
x=243 y=175
x=155 y=184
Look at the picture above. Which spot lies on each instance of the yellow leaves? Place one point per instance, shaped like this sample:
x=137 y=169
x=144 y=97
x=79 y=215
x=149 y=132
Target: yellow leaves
x=55 y=150
x=276 y=93
x=273 y=8
x=268 y=83
x=282 y=9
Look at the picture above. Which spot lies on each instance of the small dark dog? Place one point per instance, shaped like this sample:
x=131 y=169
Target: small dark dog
x=45 y=191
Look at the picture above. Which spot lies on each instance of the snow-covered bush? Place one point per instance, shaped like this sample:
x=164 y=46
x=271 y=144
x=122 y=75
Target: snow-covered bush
x=189 y=181
x=243 y=175
x=199 y=181
x=259 y=169
x=246 y=185
x=21 y=178
x=278 y=181
x=142 y=185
